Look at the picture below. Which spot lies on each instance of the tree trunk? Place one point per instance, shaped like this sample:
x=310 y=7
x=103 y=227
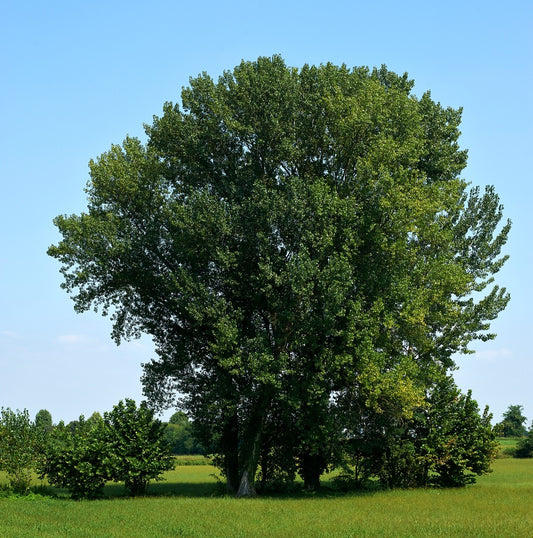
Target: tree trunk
x=247 y=487
x=232 y=476
x=250 y=459
x=230 y=444
x=312 y=480
x=311 y=468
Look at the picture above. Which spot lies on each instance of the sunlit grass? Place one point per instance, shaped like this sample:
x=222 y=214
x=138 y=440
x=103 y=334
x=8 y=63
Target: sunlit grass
x=189 y=503
x=507 y=447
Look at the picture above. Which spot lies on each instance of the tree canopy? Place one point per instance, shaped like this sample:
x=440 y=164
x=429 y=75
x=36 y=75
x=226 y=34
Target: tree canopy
x=43 y=420
x=179 y=436
x=301 y=248
x=513 y=423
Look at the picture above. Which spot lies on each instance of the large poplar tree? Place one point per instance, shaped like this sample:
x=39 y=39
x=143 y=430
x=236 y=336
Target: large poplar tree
x=290 y=239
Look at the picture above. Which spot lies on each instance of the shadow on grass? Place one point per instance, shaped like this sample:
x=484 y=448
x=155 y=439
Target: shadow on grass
x=218 y=489
x=204 y=490
x=205 y=483
x=170 y=489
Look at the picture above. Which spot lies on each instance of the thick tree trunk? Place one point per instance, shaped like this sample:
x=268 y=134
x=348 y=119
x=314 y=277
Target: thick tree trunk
x=247 y=485
x=312 y=481
x=264 y=459
x=230 y=444
x=311 y=468
x=232 y=475
x=250 y=459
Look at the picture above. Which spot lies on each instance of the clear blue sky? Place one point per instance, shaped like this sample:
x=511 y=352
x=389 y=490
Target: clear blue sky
x=76 y=77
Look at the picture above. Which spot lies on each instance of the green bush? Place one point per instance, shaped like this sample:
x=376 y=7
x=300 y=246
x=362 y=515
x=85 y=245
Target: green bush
x=19 y=443
x=524 y=447
x=136 y=446
x=126 y=445
x=78 y=459
x=446 y=443
x=464 y=441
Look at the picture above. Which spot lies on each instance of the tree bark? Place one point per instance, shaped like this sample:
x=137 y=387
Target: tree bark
x=230 y=444
x=311 y=468
x=232 y=476
x=247 y=485
x=250 y=459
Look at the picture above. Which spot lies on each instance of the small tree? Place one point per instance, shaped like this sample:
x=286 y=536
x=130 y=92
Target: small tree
x=513 y=422
x=18 y=447
x=127 y=444
x=78 y=459
x=136 y=445
x=461 y=439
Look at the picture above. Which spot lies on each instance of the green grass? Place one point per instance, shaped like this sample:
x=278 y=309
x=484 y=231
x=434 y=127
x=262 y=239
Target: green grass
x=192 y=460
x=189 y=503
x=507 y=447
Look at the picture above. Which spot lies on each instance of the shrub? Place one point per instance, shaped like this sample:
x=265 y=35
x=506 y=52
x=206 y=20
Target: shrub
x=463 y=439
x=136 y=445
x=447 y=443
x=524 y=448
x=126 y=445
x=18 y=448
x=78 y=459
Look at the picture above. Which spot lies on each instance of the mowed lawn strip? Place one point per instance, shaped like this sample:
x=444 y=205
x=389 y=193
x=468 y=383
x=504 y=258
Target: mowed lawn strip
x=188 y=504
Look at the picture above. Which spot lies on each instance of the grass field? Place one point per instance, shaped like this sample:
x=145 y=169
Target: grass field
x=507 y=447
x=190 y=503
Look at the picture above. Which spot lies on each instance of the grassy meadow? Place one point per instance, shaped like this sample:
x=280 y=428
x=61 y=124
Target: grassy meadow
x=190 y=502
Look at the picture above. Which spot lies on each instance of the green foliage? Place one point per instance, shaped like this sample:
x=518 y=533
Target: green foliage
x=19 y=445
x=524 y=447
x=136 y=446
x=78 y=459
x=179 y=418
x=461 y=441
x=181 y=440
x=126 y=445
x=291 y=239
x=446 y=442
x=43 y=421
x=513 y=422
x=179 y=436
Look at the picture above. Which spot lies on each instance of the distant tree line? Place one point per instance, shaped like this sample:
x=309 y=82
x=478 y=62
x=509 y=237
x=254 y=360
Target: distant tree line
x=180 y=437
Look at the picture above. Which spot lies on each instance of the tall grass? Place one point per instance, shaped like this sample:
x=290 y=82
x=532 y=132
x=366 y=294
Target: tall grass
x=190 y=503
